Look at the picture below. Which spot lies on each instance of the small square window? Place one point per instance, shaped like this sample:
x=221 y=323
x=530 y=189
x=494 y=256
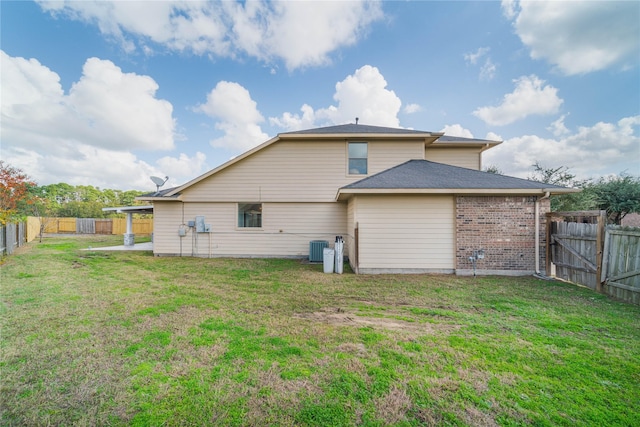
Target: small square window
x=358 y=153
x=249 y=215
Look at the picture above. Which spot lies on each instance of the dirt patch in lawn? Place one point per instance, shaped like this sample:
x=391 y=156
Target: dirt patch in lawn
x=338 y=316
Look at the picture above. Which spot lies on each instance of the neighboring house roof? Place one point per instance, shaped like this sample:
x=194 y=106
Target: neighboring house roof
x=423 y=176
x=631 y=220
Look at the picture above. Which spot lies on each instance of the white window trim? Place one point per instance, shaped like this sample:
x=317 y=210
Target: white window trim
x=348 y=173
x=244 y=229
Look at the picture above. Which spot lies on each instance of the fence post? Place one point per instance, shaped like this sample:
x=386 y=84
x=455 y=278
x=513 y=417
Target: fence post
x=547 y=252
x=605 y=256
x=11 y=235
x=602 y=221
x=3 y=240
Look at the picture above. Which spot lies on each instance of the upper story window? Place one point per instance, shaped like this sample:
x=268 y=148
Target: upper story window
x=249 y=215
x=358 y=153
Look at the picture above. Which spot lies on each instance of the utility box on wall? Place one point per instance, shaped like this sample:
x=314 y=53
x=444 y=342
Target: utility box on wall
x=200 y=224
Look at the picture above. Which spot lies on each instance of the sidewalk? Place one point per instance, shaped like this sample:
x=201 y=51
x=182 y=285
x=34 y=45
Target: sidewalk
x=147 y=246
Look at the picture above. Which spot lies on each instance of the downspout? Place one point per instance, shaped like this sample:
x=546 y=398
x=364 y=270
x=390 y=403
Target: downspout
x=537 y=227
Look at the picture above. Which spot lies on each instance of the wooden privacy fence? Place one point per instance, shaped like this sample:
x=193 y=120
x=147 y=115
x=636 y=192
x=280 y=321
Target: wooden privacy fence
x=574 y=253
x=12 y=236
x=97 y=226
x=621 y=264
x=603 y=258
x=139 y=226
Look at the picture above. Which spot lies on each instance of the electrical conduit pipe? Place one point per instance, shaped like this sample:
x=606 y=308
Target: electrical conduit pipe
x=537 y=227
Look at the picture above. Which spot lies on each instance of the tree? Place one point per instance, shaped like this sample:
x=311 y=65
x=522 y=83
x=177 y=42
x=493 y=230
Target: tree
x=42 y=208
x=82 y=201
x=81 y=210
x=582 y=201
x=128 y=198
x=556 y=176
x=617 y=195
x=14 y=191
x=493 y=169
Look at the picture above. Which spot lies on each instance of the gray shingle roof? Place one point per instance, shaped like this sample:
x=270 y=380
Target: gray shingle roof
x=353 y=128
x=423 y=174
x=160 y=193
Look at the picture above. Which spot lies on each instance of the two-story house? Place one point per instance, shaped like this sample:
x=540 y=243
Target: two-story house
x=405 y=201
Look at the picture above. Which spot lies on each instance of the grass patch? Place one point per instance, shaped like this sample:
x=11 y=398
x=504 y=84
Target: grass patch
x=122 y=338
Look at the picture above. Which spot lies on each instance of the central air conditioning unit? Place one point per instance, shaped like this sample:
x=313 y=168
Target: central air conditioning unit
x=316 y=248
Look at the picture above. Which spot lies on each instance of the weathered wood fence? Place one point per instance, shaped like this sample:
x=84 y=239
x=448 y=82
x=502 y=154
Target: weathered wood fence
x=12 y=236
x=142 y=226
x=621 y=264
x=603 y=258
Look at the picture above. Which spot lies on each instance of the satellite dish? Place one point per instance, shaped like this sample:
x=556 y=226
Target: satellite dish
x=159 y=182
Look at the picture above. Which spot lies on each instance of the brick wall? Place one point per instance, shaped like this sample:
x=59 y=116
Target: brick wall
x=504 y=227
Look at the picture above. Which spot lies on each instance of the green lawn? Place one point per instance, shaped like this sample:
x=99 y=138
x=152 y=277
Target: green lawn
x=115 y=338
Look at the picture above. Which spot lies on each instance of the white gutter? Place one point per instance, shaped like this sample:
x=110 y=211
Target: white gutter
x=537 y=227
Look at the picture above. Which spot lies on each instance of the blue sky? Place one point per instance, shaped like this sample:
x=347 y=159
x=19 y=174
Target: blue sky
x=108 y=94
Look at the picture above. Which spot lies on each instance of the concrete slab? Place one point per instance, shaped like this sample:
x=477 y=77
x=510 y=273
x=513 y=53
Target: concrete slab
x=147 y=246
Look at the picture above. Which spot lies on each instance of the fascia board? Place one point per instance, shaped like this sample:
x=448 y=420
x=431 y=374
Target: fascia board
x=344 y=194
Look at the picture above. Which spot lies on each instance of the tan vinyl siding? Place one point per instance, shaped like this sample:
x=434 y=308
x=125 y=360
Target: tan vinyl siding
x=349 y=239
x=287 y=229
x=469 y=158
x=412 y=233
x=285 y=171
x=166 y=222
x=385 y=155
x=303 y=171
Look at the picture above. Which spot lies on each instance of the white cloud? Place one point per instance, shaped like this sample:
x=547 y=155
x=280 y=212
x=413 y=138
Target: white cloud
x=558 y=127
x=586 y=152
x=101 y=168
x=237 y=114
x=85 y=136
x=363 y=94
x=473 y=57
x=529 y=97
x=492 y=136
x=182 y=168
x=122 y=108
x=456 y=130
x=578 y=37
x=509 y=8
x=300 y=33
x=292 y=122
x=488 y=68
x=106 y=108
x=412 y=108
x=87 y=166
